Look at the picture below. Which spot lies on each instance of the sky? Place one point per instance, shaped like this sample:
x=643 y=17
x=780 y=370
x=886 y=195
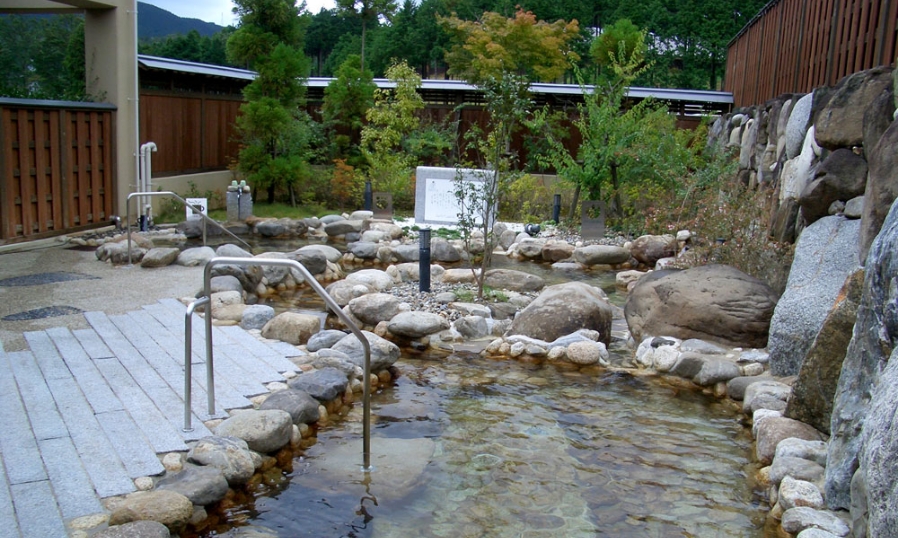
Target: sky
x=219 y=11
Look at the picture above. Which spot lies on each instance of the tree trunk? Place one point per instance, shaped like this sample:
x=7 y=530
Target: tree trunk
x=616 y=203
x=574 y=203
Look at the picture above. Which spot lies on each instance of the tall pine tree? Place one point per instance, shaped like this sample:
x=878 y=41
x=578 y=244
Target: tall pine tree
x=274 y=130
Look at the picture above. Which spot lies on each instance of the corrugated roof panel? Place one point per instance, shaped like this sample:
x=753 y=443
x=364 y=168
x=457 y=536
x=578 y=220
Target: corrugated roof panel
x=664 y=94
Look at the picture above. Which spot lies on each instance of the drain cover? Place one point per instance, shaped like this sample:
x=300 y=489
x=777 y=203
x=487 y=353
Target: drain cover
x=44 y=278
x=41 y=313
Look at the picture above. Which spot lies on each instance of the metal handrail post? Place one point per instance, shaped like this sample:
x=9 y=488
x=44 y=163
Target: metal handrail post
x=188 y=368
x=210 y=369
x=335 y=308
x=196 y=210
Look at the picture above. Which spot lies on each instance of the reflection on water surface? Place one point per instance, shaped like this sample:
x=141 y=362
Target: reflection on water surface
x=524 y=450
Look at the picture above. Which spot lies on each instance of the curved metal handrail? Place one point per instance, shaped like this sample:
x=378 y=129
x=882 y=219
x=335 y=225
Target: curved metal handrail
x=196 y=210
x=329 y=301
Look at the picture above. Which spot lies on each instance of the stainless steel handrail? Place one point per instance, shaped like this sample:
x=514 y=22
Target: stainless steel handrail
x=188 y=364
x=196 y=210
x=328 y=300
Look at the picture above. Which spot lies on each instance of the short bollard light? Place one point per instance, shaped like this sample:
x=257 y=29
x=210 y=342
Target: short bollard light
x=556 y=208
x=424 y=260
x=369 y=197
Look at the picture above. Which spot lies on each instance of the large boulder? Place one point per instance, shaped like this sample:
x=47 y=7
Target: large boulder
x=159 y=257
x=882 y=187
x=343 y=227
x=782 y=226
x=383 y=352
x=343 y=291
x=315 y=261
x=323 y=385
x=303 y=408
x=798 y=172
x=555 y=251
x=264 y=431
x=601 y=255
x=417 y=324
x=202 y=485
x=229 y=455
x=815 y=387
x=867 y=360
x=824 y=257
x=167 y=507
x=841 y=122
x=443 y=251
x=797 y=125
x=841 y=176
x=563 y=309
x=648 y=249
x=377 y=279
x=711 y=302
x=330 y=253
x=775 y=429
x=373 y=308
x=879 y=452
x=509 y=279
x=292 y=327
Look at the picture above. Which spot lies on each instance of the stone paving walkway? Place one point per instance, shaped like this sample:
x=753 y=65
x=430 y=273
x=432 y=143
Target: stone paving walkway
x=86 y=411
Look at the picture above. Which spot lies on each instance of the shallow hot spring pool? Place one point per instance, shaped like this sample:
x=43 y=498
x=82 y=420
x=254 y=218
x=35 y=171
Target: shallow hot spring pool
x=470 y=447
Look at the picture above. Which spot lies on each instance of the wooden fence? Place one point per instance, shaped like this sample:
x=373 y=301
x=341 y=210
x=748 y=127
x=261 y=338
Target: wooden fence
x=56 y=167
x=194 y=132
x=794 y=46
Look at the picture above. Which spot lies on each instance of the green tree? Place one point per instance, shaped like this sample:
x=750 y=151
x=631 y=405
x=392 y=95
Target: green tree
x=326 y=29
x=369 y=11
x=346 y=99
x=391 y=121
x=502 y=56
x=274 y=130
x=39 y=57
x=627 y=152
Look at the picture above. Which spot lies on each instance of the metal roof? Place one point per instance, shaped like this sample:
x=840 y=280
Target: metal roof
x=209 y=70
x=690 y=101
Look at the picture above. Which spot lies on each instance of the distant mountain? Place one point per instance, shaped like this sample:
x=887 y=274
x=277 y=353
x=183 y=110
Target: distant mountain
x=156 y=22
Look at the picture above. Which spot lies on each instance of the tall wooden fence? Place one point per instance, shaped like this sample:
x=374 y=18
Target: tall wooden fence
x=56 y=167
x=193 y=131
x=794 y=46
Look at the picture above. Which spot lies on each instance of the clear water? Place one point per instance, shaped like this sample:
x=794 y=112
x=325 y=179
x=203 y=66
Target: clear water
x=523 y=450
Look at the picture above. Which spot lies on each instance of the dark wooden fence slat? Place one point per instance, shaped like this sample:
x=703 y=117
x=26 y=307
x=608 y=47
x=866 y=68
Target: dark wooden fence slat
x=96 y=172
x=41 y=181
x=7 y=228
x=25 y=190
x=809 y=43
x=55 y=153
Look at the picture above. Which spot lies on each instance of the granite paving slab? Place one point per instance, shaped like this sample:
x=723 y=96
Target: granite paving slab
x=71 y=485
x=17 y=444
x=155 y=426
x=96 y=452
x=133 y=448
x=160 y=408
x=84 y=371
x=46 y=422
x=36 y=510
x=9 y=528
x=92 y=344
x=260 y=350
